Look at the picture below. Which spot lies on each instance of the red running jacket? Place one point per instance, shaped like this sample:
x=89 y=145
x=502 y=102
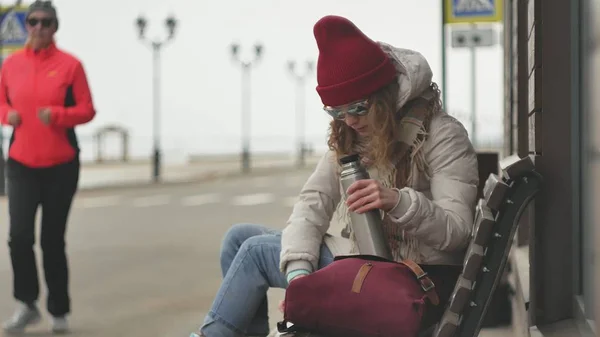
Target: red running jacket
x=49 y=78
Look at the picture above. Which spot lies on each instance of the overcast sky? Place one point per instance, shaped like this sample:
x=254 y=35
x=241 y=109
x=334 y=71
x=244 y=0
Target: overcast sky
x=201 y=88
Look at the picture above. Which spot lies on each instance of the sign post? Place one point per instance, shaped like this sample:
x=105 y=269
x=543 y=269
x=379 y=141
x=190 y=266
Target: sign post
x=13 y=36
x=470 y=13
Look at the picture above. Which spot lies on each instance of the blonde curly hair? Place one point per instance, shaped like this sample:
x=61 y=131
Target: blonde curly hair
x=381 y=147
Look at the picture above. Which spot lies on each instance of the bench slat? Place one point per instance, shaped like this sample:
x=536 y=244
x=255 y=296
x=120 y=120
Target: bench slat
x=494 y=192
x=473 y=261
x=514 y=166
x=448 y=325
x=460 y=296
x=484 y=223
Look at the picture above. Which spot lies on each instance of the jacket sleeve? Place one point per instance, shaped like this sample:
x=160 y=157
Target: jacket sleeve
x=4 y=101
x=301 y=239
x=445 y=221
x=83 y=111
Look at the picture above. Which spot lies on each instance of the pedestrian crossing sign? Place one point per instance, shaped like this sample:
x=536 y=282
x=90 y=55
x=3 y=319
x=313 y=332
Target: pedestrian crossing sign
x=13 y=33
x=472 y=11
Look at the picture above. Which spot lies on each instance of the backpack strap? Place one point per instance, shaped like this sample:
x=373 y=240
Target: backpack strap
x=426 y=283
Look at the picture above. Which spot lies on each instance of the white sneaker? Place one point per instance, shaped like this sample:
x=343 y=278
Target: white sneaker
x=60 y=325
x=23 y=317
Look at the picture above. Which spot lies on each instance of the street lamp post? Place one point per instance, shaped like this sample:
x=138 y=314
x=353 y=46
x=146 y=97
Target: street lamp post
x=300 y=79
x=246 y=67
x=4 y=12
x=156 y=45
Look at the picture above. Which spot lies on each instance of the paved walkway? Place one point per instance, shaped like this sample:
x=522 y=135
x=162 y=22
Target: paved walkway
x=110 y=175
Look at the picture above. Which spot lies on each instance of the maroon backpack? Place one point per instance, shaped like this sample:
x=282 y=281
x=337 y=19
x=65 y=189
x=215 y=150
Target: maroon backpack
x=359 y=296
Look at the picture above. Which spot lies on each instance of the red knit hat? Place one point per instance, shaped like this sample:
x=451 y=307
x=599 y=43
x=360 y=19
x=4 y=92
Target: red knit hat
x=351 y=66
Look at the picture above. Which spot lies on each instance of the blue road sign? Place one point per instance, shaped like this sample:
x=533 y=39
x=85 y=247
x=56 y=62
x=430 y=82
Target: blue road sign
x=13 y=33
x=473 y=11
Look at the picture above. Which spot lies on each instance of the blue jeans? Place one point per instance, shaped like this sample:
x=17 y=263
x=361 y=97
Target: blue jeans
x=250 y=266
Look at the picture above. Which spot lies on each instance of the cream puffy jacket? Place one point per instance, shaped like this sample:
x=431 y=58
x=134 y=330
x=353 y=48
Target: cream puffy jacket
x=438 y=211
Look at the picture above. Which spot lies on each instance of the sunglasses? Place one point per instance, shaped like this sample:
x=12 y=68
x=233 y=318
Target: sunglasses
x=356 y=109
x=46 y=22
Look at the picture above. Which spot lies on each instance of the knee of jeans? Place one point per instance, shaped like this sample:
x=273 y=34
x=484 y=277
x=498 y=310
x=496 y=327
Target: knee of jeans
x=259 y=241
x=234 y=237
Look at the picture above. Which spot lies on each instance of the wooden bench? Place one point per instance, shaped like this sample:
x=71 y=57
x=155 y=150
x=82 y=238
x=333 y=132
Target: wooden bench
x=496 y=221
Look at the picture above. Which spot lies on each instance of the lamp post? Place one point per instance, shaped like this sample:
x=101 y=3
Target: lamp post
x=300 y=79
x=156 y=46
x=246 y=67
x=4 y=12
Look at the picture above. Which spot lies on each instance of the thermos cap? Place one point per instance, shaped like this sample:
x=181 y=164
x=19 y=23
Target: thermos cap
x=349 y=159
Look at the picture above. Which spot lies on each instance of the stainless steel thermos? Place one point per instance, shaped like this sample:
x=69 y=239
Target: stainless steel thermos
x=367 y=227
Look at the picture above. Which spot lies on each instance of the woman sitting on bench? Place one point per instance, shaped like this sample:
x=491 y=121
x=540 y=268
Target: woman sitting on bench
x=386 y=108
